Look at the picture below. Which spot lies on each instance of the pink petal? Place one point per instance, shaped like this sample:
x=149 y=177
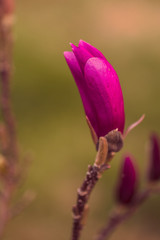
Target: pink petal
x=81 y=84
x=81 y=54
x=106 y=95
x=92 y=50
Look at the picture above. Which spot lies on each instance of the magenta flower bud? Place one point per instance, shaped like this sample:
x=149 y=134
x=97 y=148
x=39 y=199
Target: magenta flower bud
x=154 y=154
x=127 y=182
x=99 y=88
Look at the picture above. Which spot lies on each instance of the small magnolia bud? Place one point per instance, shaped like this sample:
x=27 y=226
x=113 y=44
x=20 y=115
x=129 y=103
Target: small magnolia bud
x=154 y=154
x=115 y=141
x=127 y=182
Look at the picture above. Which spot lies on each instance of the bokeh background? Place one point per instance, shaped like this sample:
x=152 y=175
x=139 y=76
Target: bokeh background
x=50 y=117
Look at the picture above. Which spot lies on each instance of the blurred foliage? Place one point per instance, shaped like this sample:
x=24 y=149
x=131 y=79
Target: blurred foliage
x=50 y=118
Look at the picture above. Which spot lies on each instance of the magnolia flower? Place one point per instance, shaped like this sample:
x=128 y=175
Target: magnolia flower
x=154 y=167
x=127 y=182
x=98 y=86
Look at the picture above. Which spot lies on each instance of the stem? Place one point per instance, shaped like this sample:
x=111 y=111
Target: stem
x=93 y=174
x=104 y=155
x=83 y=194
x=80 y=210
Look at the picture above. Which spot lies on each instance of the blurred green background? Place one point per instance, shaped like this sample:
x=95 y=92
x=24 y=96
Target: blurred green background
x=50 y=117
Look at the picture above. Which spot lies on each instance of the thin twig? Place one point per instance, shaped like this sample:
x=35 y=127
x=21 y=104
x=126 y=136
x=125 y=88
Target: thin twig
x=107 y=147
x=83 y=193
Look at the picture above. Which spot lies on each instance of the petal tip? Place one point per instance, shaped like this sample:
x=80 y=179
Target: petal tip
x=65 y=53
x=74 y=47
x=81 y=42
x=68 y=55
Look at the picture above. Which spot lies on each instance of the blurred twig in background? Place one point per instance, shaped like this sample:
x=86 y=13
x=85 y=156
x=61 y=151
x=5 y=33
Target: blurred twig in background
x=9 y=158
x=120 y=215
